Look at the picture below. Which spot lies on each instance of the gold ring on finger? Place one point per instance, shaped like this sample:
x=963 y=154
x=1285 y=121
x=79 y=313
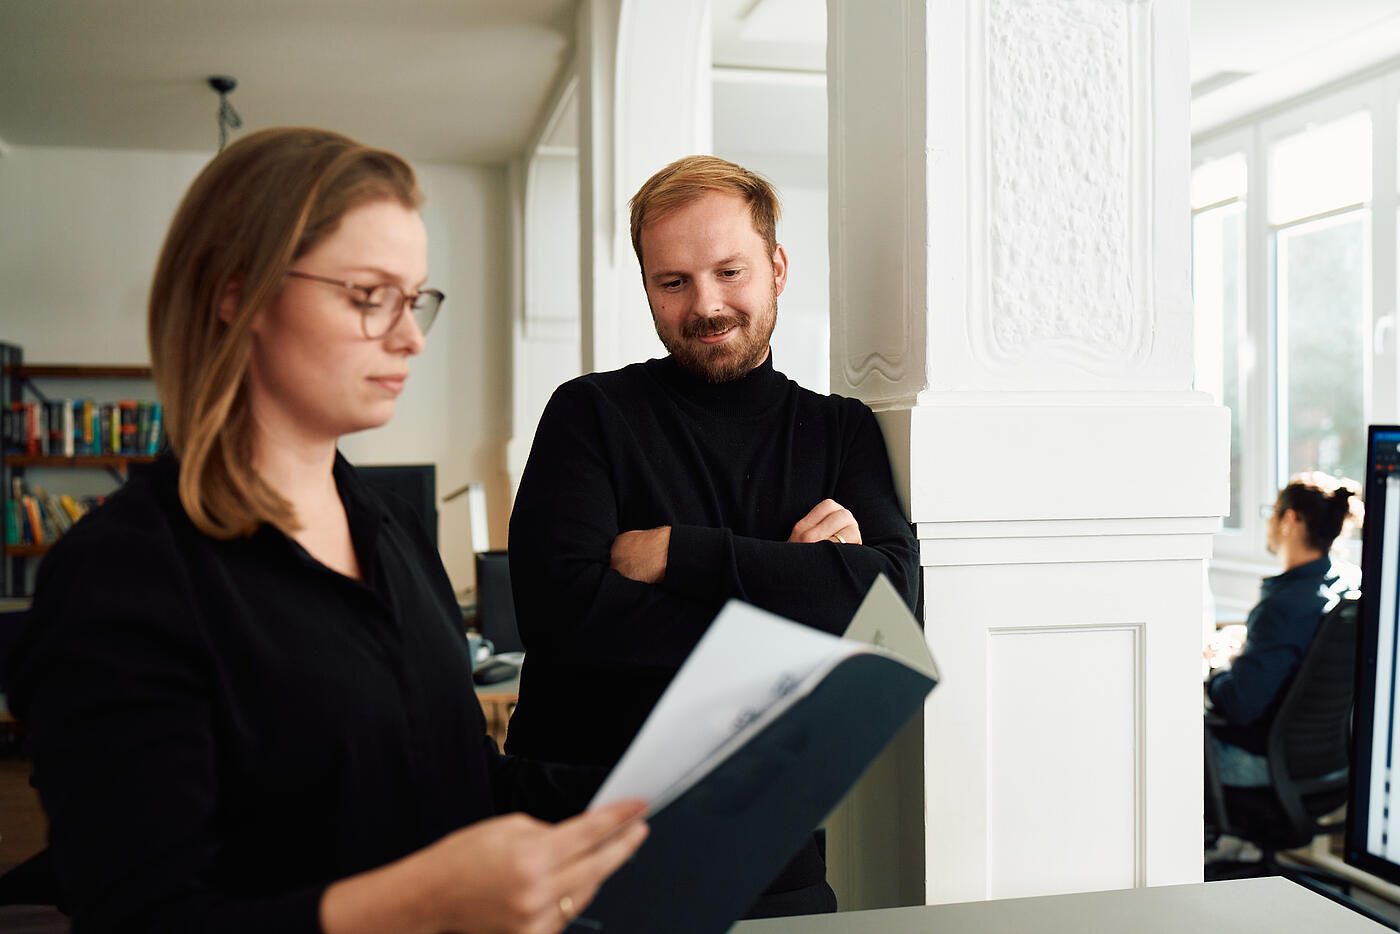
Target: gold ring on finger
x=566 y=907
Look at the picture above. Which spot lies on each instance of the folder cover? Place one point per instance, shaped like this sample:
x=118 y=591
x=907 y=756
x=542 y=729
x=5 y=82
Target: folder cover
x=726 y=829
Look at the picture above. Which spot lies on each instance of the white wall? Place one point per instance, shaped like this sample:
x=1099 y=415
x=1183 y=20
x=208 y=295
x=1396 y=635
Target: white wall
x=455 y=411
x=775 y=124
x=80 y=233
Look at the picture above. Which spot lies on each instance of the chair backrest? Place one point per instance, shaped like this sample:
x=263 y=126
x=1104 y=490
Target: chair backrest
x=1309 y=740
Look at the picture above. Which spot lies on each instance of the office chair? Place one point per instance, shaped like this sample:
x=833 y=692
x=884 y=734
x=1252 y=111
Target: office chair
x=1309 y=760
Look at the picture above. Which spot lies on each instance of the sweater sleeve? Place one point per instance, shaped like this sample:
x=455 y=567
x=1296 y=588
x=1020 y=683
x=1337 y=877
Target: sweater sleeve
x=568 y=599
x=1244 y=691
x=546 y=790
x=110 y=690
x=819 y=583
x=566 y=517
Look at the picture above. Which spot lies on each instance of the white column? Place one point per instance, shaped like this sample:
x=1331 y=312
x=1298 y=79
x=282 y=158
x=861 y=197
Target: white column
x=1009 y=289
x=644 y=101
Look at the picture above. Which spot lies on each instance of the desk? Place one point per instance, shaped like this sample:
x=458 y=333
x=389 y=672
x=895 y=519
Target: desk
x=498 y=703
x=1267 y=905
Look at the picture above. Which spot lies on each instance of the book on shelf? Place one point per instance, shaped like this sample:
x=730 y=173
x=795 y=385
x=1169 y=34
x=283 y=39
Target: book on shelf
x=34 y=522
x=83 y=427
x=24 y=428
x=14 y=525
x=34 y=516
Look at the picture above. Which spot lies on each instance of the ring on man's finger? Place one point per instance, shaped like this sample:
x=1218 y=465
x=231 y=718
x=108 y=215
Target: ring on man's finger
x=566 y=907
x=836 y=536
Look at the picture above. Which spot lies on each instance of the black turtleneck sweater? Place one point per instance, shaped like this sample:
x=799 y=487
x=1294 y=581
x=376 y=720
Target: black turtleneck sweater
x=731 y=468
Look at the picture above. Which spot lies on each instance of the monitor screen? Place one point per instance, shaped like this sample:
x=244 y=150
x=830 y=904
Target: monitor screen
x=1373 y=814
x=416 y=484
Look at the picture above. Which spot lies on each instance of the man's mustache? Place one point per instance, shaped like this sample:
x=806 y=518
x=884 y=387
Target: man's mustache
x=703 y=327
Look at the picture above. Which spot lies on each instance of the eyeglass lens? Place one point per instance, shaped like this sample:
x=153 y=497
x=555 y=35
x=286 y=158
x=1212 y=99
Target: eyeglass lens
x=385 y=303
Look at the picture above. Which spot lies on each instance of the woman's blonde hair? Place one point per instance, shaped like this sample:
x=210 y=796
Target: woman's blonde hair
x=256 y=208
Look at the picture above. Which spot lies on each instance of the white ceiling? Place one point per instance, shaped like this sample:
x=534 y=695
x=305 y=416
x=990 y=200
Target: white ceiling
x=1249 y=54
x=465 y=80
x=440 y=80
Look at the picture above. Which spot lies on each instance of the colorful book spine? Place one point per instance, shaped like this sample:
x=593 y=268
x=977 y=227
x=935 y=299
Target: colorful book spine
x=71 y=506
x=32 y=432
x=157 y=429
x=65 y=427
x=34 y=520
x=127 y=416
x=54 y=411
x=90 y=434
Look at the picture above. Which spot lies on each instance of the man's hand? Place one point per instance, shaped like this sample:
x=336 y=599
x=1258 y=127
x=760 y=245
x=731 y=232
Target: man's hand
x=641 y=554
x=827 y=520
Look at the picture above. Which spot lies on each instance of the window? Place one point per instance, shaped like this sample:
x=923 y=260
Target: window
x=1319 y=213
x=1290 y=242
x=1218 y=280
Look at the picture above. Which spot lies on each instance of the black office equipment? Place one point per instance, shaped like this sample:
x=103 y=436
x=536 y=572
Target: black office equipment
x=1373 y=806
x=495 y=605
x=494 y=671
x=1308 y=753
x=416 y=484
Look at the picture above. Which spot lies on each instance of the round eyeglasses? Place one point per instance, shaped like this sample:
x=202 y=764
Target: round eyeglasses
x=383 y=305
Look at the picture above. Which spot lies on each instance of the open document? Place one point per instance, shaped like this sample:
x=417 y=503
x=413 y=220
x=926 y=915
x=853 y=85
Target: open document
x=764 y=729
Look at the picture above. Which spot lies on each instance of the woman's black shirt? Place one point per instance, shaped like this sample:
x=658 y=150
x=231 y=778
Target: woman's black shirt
x=220 y=729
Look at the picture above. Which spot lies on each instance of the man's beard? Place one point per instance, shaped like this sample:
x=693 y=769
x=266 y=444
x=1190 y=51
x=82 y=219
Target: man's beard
x=725 y=362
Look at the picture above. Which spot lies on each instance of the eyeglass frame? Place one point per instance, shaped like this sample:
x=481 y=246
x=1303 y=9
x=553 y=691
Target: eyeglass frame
x=366 y=307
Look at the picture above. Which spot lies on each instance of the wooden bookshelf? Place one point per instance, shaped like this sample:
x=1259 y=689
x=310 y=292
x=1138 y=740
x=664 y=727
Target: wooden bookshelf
x=70 y=371
x=101 y=461
x=18 y=378
x=27 y=551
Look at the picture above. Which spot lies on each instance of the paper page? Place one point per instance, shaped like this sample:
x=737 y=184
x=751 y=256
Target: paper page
x=747 y=661
x=751 y=729
x=884 y=621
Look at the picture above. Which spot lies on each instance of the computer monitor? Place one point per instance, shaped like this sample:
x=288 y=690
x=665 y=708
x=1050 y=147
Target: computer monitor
x=495 y=603
x=414 y=483
x=1373 y=803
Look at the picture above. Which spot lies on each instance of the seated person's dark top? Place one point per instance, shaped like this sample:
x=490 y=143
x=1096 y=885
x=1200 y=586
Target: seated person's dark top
x=1280 y=630
x=220 y=729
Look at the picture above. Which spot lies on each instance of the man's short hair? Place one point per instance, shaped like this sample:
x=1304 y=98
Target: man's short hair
x=687 y=179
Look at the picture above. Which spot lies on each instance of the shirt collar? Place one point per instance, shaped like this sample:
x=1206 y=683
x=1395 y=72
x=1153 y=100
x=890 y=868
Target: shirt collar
x=1319 y=569
x=750 y=394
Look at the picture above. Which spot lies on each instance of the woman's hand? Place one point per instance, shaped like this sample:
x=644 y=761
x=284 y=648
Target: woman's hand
x=506 y=875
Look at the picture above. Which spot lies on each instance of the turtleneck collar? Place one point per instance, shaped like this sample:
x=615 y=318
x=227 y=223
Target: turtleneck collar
x=750 y=394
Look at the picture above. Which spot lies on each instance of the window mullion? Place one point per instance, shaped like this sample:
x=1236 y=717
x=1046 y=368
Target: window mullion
x=1383 y=397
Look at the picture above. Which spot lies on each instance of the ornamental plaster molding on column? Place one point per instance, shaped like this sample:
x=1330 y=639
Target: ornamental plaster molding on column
x=1020 y=145
x=1063 y=276
x=878 y=320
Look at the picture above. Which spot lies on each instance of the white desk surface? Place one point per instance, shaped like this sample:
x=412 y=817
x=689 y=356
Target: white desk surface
x=1271 y=906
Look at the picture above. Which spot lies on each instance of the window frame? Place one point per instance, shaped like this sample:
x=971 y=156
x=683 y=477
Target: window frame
x=1241 y=552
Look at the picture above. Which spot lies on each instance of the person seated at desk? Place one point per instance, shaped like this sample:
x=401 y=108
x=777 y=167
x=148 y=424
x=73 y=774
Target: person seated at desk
x=1309 y=514
x=244 y=682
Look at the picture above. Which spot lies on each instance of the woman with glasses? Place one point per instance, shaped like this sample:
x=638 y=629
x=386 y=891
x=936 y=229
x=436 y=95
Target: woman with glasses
x=245 y=684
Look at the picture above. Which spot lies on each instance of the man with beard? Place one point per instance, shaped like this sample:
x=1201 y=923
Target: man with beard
x=656 y=492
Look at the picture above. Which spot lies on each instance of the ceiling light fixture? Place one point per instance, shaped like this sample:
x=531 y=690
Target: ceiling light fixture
x=228 y=117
